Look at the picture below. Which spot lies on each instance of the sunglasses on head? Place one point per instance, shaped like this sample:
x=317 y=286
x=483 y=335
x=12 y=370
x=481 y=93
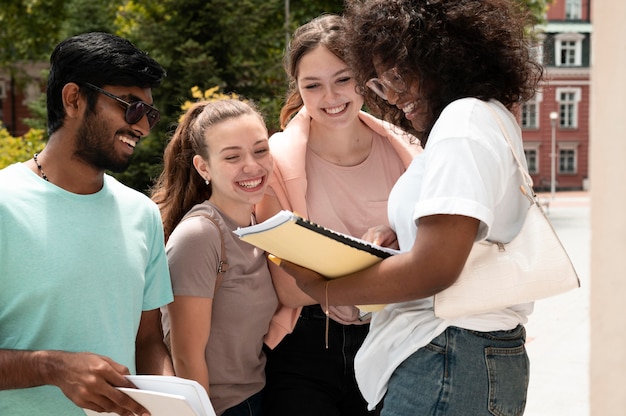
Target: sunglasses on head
x=135 y=110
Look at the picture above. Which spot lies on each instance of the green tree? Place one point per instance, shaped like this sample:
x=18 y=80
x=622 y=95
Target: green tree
x=28 y=29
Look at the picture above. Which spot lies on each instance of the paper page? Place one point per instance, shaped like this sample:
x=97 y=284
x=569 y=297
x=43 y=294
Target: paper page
x=159 y=404
x=192 y=390
x=167 y=396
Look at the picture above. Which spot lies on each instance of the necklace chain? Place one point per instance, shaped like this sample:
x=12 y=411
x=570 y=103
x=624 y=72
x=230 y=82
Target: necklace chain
x=43 y=174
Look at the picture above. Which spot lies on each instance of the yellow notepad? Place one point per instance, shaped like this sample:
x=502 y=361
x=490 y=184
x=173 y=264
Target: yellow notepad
x=330 y=253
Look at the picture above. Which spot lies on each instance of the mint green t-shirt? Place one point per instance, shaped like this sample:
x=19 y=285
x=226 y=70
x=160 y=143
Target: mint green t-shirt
x=76 y=272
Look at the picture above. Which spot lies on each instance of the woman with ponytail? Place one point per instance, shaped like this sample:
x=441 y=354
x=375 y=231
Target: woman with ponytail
x=216 y=168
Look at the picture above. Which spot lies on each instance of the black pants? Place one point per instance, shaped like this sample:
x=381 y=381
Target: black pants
x=304 y=378
x=252 y=406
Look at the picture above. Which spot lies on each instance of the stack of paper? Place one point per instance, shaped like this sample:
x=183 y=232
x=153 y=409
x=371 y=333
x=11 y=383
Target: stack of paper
x=167 y=396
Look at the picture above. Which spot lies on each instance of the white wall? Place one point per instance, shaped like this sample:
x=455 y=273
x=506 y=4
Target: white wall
x=608 y=209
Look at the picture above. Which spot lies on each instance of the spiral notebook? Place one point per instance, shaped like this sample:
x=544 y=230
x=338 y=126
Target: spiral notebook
x=297 y=240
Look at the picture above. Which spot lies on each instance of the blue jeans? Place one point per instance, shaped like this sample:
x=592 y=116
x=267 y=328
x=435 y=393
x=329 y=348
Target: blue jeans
x=461 y=373
x=252 y=406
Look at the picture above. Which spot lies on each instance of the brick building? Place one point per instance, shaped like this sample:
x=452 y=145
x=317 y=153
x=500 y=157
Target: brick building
x=17 y=89
x=559 y=114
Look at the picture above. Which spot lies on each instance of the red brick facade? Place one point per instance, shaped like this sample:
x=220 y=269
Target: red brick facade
x=566 y=52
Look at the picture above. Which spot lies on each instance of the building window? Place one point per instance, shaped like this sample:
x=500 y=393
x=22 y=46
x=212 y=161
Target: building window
x=568 y=49
x=529 y=115
x=537 y=50
x=568 y=53
x=532 y=160
x=573 y=10
x=567 y=161
x=568 y=99
x=568 y=158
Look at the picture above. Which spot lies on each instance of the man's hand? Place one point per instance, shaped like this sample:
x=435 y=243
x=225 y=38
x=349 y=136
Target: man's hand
x=89 y=380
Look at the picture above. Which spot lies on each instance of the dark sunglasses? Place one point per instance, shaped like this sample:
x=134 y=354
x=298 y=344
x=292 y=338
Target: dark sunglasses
x=135 y=110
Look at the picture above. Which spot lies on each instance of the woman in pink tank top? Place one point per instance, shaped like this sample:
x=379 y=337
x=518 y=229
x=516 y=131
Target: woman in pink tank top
x=335 y=165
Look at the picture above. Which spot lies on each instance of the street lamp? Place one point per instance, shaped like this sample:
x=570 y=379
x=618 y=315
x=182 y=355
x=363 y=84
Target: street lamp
x=554 y=116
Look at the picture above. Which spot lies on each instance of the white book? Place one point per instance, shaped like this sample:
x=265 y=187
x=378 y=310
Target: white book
x=167 y=396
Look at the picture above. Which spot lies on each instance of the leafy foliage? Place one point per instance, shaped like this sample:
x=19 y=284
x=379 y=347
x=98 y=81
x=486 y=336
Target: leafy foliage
x=28 y=29
x=17 y=149
x=212 y=94
x=88 y=16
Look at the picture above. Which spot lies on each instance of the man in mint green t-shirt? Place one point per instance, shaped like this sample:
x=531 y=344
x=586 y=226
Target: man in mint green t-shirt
x=83 y=270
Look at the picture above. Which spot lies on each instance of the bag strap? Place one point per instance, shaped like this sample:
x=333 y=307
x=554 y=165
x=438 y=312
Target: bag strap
x=222 y=266
x=525 y=175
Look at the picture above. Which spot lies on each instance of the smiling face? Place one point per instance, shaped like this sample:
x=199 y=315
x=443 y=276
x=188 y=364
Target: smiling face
x=239 y=162
x=327 y=88
x=405 y=94
x=104 y=139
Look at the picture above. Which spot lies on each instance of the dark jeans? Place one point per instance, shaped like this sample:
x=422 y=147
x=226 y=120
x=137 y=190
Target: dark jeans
x=252 y=406
x=306 y=379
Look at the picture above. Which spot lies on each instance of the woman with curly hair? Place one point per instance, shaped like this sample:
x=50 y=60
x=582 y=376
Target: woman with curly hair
x=454 y=70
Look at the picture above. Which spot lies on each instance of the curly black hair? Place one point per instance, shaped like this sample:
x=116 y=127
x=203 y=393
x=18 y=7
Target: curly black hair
x=453 y=48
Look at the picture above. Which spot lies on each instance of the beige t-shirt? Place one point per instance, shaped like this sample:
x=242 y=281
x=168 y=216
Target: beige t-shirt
x=242 y=306
x=352 y=199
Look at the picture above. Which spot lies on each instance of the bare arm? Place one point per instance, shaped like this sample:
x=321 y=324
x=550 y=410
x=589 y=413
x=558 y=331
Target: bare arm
x=286 y=288
x=151 y=353
x=433 y=264
x=86 y=379
x=190 y=327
